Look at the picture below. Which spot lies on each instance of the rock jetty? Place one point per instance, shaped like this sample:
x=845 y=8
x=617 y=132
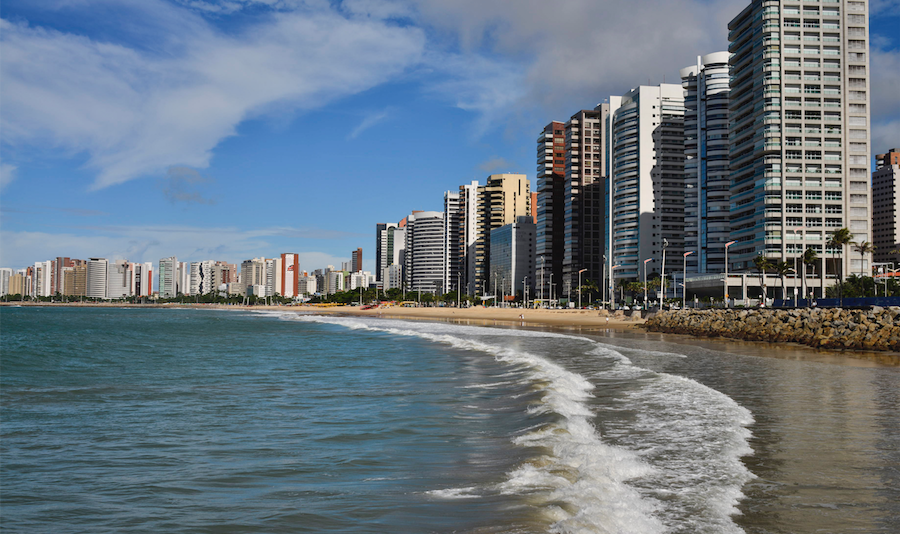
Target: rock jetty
x=831 y=328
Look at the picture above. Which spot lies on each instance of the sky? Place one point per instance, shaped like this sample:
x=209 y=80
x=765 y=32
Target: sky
x=227 y=130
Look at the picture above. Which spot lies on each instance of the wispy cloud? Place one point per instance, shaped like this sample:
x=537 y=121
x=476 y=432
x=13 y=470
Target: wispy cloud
x=493 y=164
x=369 y=121
x=137 y=112
x=7 y=174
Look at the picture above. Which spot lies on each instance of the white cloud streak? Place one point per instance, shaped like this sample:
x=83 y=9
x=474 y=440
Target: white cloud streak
x=369 y=121
x=7 y=174
x=136 y=113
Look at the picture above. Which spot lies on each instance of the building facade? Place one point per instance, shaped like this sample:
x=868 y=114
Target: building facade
x=97 y=278
x=886 y=207
x=799 y=132
x=425 y=252
x=512 y=258
x=453 y=263
x=551 y=200
x=647 y=180
x=707 y=197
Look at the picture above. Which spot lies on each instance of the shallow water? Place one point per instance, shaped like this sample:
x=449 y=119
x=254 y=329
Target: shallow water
x=221 y=421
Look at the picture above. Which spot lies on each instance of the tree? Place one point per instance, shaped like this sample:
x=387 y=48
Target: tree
x=838 y=240
x=809 y=259
x=589 y=287
x=762 y=264
x=863 y=248
x=782 y=268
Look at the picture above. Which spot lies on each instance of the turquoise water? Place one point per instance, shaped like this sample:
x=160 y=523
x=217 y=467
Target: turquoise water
x=130 y=420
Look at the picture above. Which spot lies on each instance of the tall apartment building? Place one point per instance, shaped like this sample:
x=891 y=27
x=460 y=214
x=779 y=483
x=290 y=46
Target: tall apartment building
x=40 y=280
x=97 y=281
x=707 y=197
x=5 y=273
x=468 y=234
x=584 y=198
x=390 y=243
x=425 y=252
x=512 y=258
x=168 y=277
x=453 y=271
x=886 y=207
x=119 y=279
x=646 y=133
x=356 y=260
x=500 y=201
x=551 y=199
x=57 y=279
x=290 y=274
x=799 y=134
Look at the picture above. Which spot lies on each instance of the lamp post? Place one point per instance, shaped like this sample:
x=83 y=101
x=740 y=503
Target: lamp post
x=662 y=281
x=728 y=244
x=612 y=293
x=579 y=287
x=458 y=290
x=542 y=279
x=603 y=281
x=645 y=281
x=525 y=290
x=684 y=278
x=551 y=287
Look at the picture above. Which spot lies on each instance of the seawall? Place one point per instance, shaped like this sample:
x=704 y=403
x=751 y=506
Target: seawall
x=832 y=328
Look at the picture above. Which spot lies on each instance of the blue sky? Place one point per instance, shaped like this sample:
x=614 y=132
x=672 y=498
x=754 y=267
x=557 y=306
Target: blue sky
x=227 y=130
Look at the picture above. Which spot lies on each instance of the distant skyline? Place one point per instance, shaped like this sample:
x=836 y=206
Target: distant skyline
x=245 y=128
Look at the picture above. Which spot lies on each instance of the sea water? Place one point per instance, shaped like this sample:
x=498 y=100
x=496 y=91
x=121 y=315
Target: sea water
x=174 y=420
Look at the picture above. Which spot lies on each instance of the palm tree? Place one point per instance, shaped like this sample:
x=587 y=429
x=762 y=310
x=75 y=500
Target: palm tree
x=839 y=239
x=762 y=264
x=590 y=287
x=782 y=268
x=809 y=258
x=863 y=248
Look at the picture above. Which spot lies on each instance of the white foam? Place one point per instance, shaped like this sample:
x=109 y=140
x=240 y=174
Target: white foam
x=681 y=469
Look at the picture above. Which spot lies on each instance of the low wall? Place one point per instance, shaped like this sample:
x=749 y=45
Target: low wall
x=835 y=328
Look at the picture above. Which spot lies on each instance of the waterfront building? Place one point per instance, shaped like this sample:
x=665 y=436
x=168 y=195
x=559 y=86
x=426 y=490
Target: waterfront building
x=392 y=277
x=253 y=273
x=18 y=283
x=584 y=198
x=306 y=285
x=41 y=276
x=500 y=201
x=550 y=205
x=799 y=132
x=142 y=279
x=290 y=274
x=203 y=278
x=425 y=251
x=468 y=234
x=356 y=260
x=168 y=277
x=512 y=257
x=886 y=207
x=453 y=262
x=97 y=278
x=646 y=132
x=5 y=274
x=707 y=197
x=119 y=279
x=57 y=278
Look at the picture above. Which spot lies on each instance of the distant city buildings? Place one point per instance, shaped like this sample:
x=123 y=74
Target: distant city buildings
x=886 y=207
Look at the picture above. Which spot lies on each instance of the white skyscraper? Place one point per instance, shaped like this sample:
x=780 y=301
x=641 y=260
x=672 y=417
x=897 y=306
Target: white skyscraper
x=799 y=134
x=168 y=277
x=425 y=251
x=97 y=278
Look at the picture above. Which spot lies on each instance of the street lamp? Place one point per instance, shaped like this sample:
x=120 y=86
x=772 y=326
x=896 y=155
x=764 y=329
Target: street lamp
x=662 y=281
x=579 y=287
x=612 y=292
x=542 y=279
x=525 y=290
x=645 y=281
x=728 y=244
x=603 y=281
x=684 y=277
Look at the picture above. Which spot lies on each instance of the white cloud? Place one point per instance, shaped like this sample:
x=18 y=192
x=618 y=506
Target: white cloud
x=369 y=121
x=7 y=174
x=136 y=112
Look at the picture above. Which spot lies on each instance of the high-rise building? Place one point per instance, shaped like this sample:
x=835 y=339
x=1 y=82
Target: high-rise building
x=799 y=132
x=453 y=275
x=512 y=257
x=356 y=260
x=142 y=279
x=43 y=272
x=584 y=198
x=97 y=278
x=290 y=275
x=886 y=207
x=57 y=279
x=18 y=283
x=500 y=201
x=425 y=252
x=468 y=234
x=647 y=180
x=168 y=277
x=707 y=221
x=551 y=201
x=5 y=273
x=119 y=279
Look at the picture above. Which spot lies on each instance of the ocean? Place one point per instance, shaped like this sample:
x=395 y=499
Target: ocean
x=233 y=421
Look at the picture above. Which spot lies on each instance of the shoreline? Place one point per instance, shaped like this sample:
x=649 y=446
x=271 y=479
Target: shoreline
x=587 y=322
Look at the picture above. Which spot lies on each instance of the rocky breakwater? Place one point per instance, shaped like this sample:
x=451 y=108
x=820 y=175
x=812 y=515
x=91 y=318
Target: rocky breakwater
x=832 y=328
